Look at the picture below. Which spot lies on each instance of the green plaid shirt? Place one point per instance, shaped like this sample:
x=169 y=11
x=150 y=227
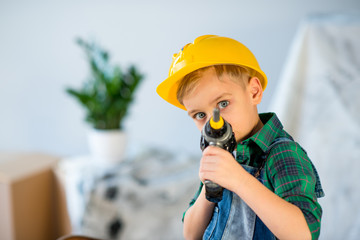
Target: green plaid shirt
x=289 y=172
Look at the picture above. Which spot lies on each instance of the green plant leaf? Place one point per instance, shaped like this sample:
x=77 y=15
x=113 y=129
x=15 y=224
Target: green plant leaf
x=108 y=92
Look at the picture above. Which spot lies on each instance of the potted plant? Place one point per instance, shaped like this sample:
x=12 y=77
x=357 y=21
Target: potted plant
x=106 y=96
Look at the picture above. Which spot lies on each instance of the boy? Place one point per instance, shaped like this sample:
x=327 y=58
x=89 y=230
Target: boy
x=270 y=187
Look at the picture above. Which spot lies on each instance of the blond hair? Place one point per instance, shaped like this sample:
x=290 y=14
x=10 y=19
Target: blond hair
x=238 y=74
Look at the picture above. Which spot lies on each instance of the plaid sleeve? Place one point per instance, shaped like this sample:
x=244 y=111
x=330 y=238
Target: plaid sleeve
x=292 y=177
x=193 y=200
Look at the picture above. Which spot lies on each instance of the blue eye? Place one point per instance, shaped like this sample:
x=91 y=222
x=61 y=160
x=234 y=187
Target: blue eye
x=200 y=115
x=223 y=104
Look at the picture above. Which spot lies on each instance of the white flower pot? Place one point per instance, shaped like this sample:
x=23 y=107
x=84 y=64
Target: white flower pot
x=107 y=146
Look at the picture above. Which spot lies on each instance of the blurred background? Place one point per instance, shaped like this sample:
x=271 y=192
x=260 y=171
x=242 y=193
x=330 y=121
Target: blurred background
x=39 y=59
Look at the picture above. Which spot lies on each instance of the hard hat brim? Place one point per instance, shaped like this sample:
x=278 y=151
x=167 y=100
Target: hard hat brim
x=168 y=88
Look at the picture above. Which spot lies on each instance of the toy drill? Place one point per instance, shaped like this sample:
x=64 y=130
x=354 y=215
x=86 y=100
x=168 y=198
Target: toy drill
x=216 y=132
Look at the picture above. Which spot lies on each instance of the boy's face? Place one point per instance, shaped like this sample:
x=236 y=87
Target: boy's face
x=237 y=103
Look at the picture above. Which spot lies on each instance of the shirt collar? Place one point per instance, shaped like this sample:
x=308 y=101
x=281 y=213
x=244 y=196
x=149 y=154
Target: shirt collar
x=272 y=129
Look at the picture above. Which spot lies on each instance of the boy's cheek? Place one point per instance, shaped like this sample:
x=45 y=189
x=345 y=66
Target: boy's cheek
x=199 y=125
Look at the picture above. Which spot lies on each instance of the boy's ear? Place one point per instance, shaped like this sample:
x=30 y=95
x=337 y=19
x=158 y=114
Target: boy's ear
x=255 y=90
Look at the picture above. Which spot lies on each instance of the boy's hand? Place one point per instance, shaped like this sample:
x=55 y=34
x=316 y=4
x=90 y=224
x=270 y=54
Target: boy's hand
x=219 y=166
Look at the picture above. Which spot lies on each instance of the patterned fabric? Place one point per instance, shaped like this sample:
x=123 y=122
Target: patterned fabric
x=289 y=171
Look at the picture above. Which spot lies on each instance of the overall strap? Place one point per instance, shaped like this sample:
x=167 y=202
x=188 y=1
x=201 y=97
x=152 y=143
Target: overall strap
x=266 y=154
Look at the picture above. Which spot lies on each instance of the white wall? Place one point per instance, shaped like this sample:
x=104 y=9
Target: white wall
x=39 y=58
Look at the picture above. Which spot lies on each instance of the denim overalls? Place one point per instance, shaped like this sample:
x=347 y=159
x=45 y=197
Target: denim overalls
x=234 y=219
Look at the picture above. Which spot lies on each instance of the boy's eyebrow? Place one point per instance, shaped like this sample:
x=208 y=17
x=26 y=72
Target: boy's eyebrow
x=220 y=97
x=192 y=112
x=216 y=99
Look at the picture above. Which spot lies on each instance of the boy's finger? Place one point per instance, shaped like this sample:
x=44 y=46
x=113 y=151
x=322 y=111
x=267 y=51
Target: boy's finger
x=208 y=159
x=213 y=150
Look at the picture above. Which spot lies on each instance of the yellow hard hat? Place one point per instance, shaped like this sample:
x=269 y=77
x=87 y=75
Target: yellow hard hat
x=205 y=51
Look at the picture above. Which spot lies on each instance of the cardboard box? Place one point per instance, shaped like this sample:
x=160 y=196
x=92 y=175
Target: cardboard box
x=32 y=205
